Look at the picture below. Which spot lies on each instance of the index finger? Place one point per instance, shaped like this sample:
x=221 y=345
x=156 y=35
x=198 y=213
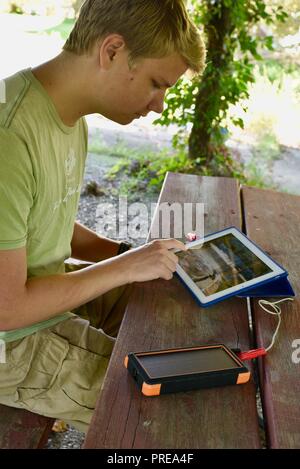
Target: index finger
x=174 y=244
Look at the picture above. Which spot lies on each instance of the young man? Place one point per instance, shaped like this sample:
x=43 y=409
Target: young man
x=59 y=326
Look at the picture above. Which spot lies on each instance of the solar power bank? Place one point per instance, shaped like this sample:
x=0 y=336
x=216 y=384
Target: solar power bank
x=185 y=369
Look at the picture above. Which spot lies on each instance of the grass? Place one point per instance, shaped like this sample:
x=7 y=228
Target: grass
x=120 y=149
x=98 y=147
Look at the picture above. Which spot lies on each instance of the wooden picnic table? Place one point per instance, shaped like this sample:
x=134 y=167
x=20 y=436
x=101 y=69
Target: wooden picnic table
x=163 y=314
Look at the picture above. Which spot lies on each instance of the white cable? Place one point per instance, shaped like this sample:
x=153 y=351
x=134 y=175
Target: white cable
x=277 y=312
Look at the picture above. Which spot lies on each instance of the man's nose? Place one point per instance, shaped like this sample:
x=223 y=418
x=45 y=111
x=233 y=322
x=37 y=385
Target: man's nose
x=157 y=103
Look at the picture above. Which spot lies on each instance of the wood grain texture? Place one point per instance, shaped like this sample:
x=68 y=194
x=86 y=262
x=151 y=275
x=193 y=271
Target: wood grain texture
x=20 y=429
x=273 y=222
x=163 y=314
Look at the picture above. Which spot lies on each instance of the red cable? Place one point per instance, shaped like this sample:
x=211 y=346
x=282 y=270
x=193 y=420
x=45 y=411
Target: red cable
x=251 y=354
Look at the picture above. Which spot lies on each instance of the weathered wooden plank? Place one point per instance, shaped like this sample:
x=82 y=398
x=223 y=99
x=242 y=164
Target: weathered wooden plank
x=273 y=221
x=163 y=314
x=20 y=429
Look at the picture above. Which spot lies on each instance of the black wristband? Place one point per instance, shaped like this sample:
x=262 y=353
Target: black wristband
x=124 y=246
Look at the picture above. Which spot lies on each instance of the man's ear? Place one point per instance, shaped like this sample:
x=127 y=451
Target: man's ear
x=110 y=48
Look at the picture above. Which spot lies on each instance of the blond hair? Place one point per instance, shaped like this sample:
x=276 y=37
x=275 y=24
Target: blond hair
x=150 y=28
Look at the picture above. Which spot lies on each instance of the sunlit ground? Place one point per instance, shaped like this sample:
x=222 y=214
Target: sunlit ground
x=272 y=109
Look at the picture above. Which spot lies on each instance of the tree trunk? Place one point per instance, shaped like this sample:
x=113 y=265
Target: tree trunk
x=218 y=58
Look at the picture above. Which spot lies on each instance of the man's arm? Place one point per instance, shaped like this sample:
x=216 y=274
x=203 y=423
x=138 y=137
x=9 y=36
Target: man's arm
x=24 y=302
x=88 y=246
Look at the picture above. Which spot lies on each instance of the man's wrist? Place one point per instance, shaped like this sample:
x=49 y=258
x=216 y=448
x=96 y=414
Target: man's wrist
x=124 y=246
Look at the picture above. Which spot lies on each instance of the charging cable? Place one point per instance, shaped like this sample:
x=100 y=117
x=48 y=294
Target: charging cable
x=250 y=354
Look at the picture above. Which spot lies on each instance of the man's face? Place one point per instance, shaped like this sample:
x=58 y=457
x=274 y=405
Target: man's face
x=132 y=93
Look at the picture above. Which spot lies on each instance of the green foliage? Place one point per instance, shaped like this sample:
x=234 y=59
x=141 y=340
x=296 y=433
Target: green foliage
x=223 y=164
x=291 y=25
x=202 y=105
x=267 y=149
x=64 y=28
x=276 y=71
x=147 y=170
x=15 y=8
x=256 y=176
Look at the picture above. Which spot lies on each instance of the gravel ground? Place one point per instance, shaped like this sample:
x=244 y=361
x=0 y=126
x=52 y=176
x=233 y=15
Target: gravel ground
x=70 y=439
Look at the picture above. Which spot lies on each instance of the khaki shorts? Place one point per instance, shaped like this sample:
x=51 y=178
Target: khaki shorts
x=59 y=371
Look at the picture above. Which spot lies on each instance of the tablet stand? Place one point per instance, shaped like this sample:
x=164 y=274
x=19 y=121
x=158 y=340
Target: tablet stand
x=278 y=287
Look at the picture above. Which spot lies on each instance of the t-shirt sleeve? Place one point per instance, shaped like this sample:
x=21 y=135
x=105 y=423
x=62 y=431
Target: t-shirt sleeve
x=17 y=189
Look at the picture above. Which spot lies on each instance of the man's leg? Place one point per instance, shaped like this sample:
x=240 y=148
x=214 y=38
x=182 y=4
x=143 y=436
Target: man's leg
x=57 y=372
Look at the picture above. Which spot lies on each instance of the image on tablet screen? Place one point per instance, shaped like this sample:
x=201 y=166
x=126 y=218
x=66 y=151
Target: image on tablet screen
x=221 y=263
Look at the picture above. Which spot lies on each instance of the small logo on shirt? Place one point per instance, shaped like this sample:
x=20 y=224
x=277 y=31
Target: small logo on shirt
x=70 y=162
x=72 y=186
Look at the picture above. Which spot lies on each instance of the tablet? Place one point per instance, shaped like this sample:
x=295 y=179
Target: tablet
x=225 y=264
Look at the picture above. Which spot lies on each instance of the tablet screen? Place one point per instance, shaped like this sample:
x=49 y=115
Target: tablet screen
x=221 y=263
x=224 y=263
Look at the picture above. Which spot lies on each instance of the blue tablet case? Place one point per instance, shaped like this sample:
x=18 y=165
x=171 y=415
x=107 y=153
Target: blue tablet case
x=276 y=287
x=271 y=288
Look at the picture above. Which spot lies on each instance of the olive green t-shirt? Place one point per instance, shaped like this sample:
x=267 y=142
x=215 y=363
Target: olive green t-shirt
x=41 y=171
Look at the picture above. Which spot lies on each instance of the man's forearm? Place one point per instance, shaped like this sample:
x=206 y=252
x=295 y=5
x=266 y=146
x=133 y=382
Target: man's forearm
x=88 y=246
x=46 y=297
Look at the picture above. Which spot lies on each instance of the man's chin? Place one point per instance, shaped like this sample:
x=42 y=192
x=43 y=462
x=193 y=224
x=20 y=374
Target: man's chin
x=125 y=120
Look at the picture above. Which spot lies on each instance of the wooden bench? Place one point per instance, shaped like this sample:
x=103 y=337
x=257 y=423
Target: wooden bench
x=163 y=314
x=20 y=429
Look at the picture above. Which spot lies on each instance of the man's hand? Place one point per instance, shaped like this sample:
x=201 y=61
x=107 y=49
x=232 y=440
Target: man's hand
x=153 y=260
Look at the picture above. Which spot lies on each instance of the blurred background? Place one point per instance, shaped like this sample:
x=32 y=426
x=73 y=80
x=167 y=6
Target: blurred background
x=259 y=128
x=250 y=126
